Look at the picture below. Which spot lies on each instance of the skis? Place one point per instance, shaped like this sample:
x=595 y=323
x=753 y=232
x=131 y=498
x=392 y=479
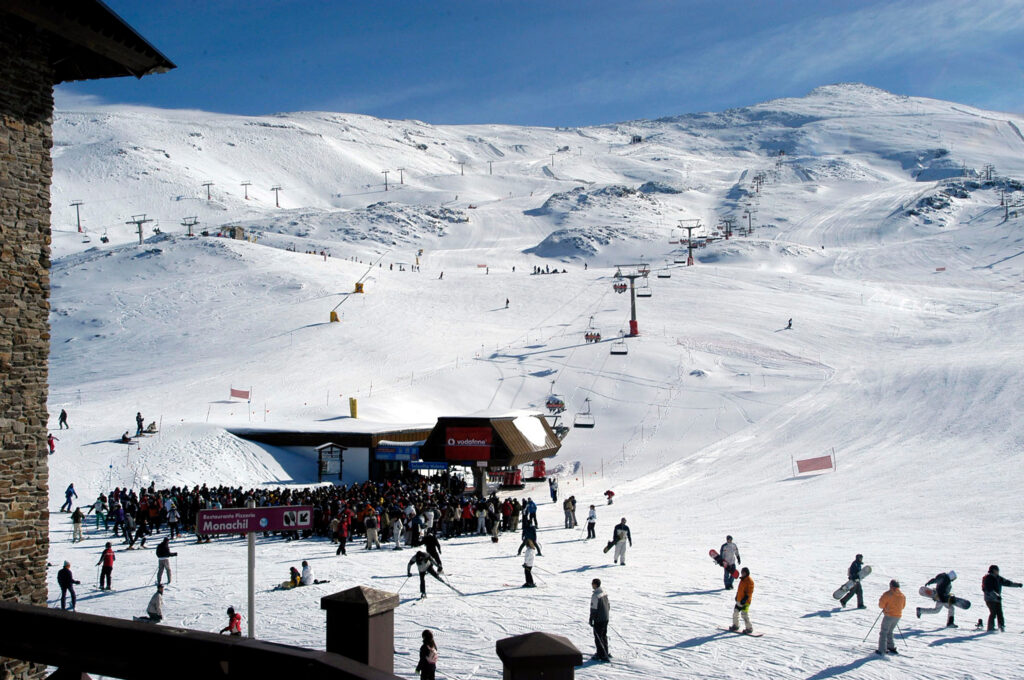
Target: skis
x=456 y=590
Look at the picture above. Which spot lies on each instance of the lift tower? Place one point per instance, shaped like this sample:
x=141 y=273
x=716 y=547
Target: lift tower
x=689 y=238
x=631 y=272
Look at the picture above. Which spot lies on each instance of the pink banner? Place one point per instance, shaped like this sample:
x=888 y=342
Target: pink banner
x=244 y=520
x=241 y=394
x=812 y=464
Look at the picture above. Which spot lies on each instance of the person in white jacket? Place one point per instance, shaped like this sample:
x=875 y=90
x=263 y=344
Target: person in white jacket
x=155 y=609
x=528 y=565
x=307 y=574
x=591 y=523
x=730 y=555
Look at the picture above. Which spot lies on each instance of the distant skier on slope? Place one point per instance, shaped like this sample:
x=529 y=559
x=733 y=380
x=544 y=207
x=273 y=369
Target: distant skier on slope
x=789 y=324
x=424 y=565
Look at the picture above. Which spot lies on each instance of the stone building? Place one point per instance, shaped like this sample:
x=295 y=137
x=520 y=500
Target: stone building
x=42 y=43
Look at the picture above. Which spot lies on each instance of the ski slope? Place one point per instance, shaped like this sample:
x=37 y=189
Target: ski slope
x=903 y=358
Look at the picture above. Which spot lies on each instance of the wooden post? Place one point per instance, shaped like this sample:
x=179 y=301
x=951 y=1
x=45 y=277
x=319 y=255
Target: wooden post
x=361 y=626
x=536 y=656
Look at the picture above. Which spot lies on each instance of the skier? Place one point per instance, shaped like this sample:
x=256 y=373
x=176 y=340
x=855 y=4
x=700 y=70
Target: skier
x=107 y=560
x=943 y=583
x=62 y=421
x=744 y=594
x=506 y=303
x=553 y=487
x=68 y=494
x=528 y=565
x=138 y=422
x=730 y=555
x=853 y=574
x=433 y=547
x=424 y=565
x=155 y=608
x=163 y=556
x=529 y=536
x=234 y=626
x=609 y=494
x=992 y=585
x=789 y=325
x=50 y=439
x=67 y=584
x=173 y=518
x=76 y=525
x=531 y=512
x=621 y=534
x=591 y=523
x=891 y=603
x=427 y=667
x=599 y=610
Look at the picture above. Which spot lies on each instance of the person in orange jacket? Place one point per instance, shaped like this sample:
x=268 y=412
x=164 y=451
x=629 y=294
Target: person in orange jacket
x=744 y=594
x=891 y=603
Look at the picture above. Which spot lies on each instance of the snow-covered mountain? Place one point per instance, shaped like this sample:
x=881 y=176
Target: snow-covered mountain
x=881 y=227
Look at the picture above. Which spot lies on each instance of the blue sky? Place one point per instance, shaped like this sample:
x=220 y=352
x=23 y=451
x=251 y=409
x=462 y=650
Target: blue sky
x=560 y=62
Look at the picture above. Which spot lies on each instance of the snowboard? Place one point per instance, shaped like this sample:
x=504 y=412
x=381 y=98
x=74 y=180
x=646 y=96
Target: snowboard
x=740 y=632
x=958 y=602
x=720 y=562
x=611 y=544
x=144 y=619
x=848 y=586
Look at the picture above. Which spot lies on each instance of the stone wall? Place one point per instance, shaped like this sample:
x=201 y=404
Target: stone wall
x=26 y=109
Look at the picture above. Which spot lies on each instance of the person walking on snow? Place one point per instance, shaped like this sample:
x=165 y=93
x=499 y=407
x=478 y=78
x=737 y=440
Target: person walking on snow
x=992 y=585
x=163 y=556
x=943 y=583
x=744 y=594
x=155 y=608
x=67 y=584
x=234 y=626
x=620 y=535
x=853 y=574
x=427 y=666
x=62 y=420
x=433 y=547
x=528 y=566
x=76 y=525
x=591 y=523
x=68 y=494
x=50 y=439
x=599 y=615
x=424 y=565
x=789 y=325
x=138 y=423
x=730 y=555
x=107 y=562
x=891 y=603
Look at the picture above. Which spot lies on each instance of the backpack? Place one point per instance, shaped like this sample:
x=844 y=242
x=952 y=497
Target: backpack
x=432 y=656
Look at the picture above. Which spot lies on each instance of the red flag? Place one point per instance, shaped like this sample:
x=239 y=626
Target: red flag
x=241 y=394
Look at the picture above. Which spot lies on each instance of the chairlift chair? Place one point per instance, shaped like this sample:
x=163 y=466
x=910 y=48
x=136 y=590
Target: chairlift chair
x=644 y=290
x=620 y=287
x=664 y=274
x=555 y=404
x=584 y=418
x=619 y=347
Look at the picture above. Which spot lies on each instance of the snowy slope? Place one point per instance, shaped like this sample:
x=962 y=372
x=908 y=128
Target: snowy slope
x=912 y=375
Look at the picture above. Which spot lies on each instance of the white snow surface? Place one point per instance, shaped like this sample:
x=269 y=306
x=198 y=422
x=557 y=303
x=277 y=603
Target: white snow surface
x=904 y=359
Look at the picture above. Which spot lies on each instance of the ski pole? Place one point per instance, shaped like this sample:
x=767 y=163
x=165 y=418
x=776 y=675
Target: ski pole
x=403 y=584
x=625 y=640
x=872 y=626
x=902 y=636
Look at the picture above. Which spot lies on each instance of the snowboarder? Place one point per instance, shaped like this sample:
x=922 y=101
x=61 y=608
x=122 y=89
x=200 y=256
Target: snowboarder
x=427 y=667
x=744 y=594
x=591 y=523
x=234 y=626
x=730 y=559
x=620 y=535
x=67 y=584
x=433 y=547
x=138 y=422
x=853 y=574
x=943 y=583
x=69 y=493
x=891 y=603
x=155 y=608
x=62 y=421
x=163 y=556
x=76 y=525
x=424 y=565
x=992 y=585
x=528 y=565
x=50 y=439
x=107 y=562
x=599 y=610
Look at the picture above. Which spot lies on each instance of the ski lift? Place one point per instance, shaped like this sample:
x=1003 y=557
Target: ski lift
x=664 y=274
x=86 y=239
x=620 y=286
x=104 y=239
x=584 y=418
x=619 y=346
x=644 y=270
x=644 y=290
x=555 y=404
x=591 y=334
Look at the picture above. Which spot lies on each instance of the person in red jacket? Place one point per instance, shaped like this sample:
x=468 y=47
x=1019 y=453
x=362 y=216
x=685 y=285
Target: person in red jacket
x=107 y=562
x=234 y=626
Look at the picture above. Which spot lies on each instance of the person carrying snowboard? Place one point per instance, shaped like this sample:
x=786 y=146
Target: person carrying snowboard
x=620 y=535
x=943 y=583
x=67 y=584
x=600 y=609
x=891 y=603
x=234 y=626
x=853 y=574
x=107 y=562
x=744 y=594
x=155 y=608
x=69 y=493
x=730 y=555
x=62 y=421
x=992 y=585
x=163 y=557
x=424 y=565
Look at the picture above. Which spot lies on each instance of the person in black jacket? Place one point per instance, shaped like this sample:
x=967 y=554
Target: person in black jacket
x=853 y=573
x=433 y=549
x=424 y=565
x=992 y=586
x=67 y=585
x=943 y=583
x=164 y=555
x=427 y=667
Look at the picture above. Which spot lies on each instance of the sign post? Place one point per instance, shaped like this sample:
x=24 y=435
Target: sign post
x=249 y=520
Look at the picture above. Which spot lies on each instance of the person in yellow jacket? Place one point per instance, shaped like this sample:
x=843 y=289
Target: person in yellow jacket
x=891 y=603
x=744 y=593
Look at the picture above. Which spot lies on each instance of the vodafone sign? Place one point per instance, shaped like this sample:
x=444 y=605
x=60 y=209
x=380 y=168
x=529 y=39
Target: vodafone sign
x=467 y=443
